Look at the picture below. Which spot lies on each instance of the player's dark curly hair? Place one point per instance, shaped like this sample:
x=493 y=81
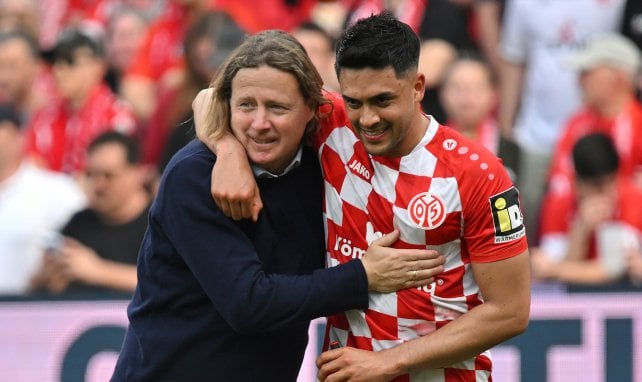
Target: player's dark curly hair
x=378 y=42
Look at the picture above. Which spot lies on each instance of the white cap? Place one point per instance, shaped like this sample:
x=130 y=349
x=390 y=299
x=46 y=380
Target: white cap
x=609 y=49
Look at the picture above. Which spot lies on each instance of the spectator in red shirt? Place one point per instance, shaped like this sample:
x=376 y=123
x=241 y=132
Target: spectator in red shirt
x=60 y=132
x=160 y=62
x=596 y=227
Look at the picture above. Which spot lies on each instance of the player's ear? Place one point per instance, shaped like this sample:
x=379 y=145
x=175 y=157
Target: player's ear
x=419 y=87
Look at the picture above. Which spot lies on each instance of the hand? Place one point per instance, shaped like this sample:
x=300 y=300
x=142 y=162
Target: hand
x=51 y=275
x=354 y=365
x=595 y=209
x=234 y=188
x=80 y=262
x=233 y=185
x=542 y=267
x=390 y=269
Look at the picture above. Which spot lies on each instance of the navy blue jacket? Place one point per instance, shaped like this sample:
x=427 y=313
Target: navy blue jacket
x=219 y=300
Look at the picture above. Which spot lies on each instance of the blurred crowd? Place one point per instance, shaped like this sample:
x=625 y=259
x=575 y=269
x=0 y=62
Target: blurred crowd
x=95 y=97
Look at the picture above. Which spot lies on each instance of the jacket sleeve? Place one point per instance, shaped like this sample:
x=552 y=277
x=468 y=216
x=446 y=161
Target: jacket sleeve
x=228 y=268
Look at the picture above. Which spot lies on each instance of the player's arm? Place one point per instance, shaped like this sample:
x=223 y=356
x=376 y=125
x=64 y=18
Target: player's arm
x=505 y=285
x=237 y=196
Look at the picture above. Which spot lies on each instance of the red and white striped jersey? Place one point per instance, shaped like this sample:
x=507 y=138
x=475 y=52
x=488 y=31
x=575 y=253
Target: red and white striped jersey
x=448 y=194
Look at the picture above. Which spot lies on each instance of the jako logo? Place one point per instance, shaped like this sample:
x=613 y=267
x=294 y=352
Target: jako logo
x=427 y=211
x=360 y=169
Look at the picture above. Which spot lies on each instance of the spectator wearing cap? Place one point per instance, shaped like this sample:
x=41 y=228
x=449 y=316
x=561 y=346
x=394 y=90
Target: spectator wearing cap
x=596 y=229
x=28 y=220
x=607 y=67
x=59 y=133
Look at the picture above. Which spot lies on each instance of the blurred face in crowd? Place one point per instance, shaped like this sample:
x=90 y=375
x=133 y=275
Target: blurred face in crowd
x=18 y=69
x=125 y=35
x=383 y=108
x=321 y=53
x=467 y=94
x=111 y=180
x=269 y=121
x=77 y=78
x=10 y=144
x=19 y=14
x=200 y=55
x=601 y=84
x=603 y=186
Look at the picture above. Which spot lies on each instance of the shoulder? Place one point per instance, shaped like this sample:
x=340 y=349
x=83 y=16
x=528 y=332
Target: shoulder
x=188 y=174
x=194 y=155
x=83 y=218
x=461 y=155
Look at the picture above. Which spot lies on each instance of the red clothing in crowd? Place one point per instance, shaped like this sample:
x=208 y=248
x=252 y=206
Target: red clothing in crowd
x=558 y=218
x=625 y=130
x=59 y=136
x=410 y=12
x=255 y=16
x=162 y=48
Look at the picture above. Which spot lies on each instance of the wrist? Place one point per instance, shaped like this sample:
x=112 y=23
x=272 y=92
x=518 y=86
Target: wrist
x=399 y=361
x=227 y=145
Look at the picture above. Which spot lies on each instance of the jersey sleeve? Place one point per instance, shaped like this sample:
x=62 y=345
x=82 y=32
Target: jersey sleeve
x=493 y=221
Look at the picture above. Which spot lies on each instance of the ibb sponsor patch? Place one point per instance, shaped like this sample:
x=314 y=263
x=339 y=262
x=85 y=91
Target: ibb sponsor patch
x=507 y=216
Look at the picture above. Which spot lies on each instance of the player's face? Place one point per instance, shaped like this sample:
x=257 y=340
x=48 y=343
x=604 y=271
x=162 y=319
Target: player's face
x=268 y=116
x=383 y=109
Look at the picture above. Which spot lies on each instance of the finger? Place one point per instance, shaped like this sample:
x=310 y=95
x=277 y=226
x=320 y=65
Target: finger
x=248 y=209
x=412 y=255
x=388 y=239
x=257 y=206
x=236 y=210
x=431 y=267
x=327 y=356
x=226 y=208
x=326 y=367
